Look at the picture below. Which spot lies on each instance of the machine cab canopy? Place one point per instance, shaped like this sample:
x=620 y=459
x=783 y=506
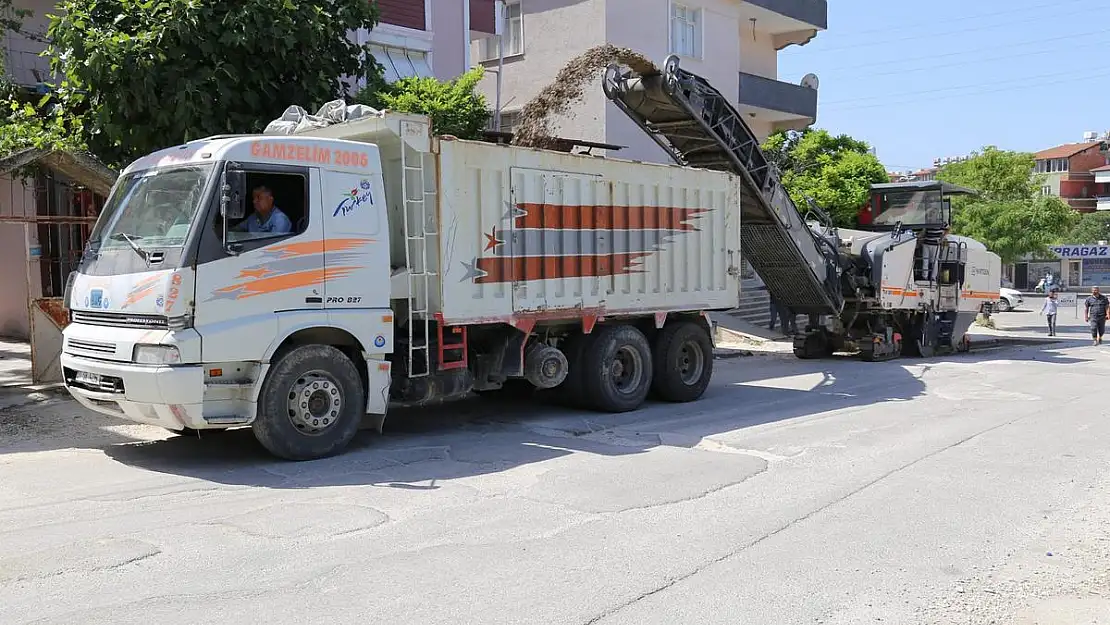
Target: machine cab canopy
x=925 y=204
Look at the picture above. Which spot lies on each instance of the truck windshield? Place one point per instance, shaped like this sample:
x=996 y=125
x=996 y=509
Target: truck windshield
x=152 y=209
x=912 y=208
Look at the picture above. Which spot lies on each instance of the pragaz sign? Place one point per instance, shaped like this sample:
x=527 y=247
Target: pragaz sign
x=1081 y=251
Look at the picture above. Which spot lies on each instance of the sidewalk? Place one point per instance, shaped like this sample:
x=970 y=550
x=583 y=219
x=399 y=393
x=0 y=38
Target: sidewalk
x=16 y=388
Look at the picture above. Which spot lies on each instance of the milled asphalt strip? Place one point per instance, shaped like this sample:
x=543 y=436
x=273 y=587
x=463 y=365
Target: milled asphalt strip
x=809 y=515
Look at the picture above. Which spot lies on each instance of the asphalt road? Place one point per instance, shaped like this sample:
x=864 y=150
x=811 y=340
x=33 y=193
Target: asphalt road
x=794 y=492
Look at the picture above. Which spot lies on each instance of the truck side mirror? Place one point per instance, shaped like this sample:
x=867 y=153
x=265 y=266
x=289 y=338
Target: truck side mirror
x=232 y=201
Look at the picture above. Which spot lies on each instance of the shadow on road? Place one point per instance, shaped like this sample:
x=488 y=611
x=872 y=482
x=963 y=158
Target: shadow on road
x=421 y=447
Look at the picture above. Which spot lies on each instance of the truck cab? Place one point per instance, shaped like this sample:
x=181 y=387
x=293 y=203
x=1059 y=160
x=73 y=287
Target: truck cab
x=208 y=259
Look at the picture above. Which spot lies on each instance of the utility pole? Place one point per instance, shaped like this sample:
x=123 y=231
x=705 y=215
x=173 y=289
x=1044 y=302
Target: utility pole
x=499 y=30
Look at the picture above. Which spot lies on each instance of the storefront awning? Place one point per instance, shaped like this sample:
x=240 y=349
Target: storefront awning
x=401 y=63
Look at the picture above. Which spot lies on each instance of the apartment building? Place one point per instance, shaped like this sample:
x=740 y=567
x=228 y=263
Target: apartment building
x=413 y=38
x=1069 y=172
x=733 y=43
x=428 y=37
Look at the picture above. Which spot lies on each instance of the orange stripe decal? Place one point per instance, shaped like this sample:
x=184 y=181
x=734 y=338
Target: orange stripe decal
x=284 y=282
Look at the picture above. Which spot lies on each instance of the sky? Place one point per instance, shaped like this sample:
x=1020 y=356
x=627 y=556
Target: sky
x=922 y=80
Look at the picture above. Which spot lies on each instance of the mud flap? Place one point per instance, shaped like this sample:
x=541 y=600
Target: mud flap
x=378 y=379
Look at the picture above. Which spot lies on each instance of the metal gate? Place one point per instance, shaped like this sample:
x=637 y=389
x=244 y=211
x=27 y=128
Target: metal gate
x=58 y=214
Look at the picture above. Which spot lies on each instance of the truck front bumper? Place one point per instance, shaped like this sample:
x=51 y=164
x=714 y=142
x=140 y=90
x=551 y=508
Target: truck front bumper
x=169 y=397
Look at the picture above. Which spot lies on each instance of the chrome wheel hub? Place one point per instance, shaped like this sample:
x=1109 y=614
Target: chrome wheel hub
x=315 y=402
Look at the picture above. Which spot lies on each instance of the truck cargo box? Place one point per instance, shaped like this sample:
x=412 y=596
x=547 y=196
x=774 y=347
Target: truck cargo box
x=493 y=233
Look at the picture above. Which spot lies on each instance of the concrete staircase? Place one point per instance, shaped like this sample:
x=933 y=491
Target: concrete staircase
x=755 y=303
x=755 y=306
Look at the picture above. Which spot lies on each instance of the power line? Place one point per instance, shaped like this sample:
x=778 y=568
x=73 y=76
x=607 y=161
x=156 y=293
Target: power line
x=1085 y=73
x=935 y=35
x=930 y=57
x=977 y=93
x=1047 y=5
x=979 y=60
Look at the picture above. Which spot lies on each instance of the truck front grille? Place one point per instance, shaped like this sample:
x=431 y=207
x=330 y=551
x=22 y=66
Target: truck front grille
x=92 y=346
x=120 y=320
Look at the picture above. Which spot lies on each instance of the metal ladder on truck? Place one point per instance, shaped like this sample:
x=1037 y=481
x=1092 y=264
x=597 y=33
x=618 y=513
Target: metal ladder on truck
x=697 y=127
x=419 y=228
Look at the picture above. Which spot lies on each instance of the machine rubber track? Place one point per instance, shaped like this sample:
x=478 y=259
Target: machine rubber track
x=697 y=127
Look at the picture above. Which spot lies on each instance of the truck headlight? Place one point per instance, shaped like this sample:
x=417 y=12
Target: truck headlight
x=156 y=354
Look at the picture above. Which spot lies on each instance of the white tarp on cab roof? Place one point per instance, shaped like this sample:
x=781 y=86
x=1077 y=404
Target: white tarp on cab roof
x=296 y=119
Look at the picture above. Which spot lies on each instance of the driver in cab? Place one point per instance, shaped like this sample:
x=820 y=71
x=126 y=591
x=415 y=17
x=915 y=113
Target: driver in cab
x=266 y=218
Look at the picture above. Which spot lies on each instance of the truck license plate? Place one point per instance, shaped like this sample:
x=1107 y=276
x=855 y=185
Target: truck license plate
x=90 y=379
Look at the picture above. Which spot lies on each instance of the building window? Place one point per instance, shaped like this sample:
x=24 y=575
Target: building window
x=1046 y=190
x=513 y=33
x=509 y=121
x=400 y=63
x=685 y=31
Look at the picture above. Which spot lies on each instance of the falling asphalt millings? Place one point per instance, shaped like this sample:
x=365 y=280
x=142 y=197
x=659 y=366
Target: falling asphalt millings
x=570 y=83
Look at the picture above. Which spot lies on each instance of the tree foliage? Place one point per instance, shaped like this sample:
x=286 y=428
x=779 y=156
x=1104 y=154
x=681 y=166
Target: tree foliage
x=1091 y=228
x=24 y=125
x=456 y=107
x=996 y=174
x=155 y=73
x=836 y=171
x=1009 y=215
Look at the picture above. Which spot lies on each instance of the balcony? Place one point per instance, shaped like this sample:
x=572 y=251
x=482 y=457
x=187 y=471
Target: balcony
x=483 y=18
x=27 y=68
x=789 y=22
x=784 y=105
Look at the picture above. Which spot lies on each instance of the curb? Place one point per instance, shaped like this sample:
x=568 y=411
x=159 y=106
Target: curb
x=729 y=354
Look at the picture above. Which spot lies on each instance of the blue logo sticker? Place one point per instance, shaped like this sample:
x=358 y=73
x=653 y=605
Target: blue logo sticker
x=159 y=301
x=379 y=341
x=354 y=199
x=96 y=299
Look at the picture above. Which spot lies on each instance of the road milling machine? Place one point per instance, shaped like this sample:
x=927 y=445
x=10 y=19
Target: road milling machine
x=902 y=283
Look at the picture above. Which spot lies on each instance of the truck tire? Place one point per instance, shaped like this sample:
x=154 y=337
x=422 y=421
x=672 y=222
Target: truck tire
x=683 y=362
x=616 y=369
x=311 y=404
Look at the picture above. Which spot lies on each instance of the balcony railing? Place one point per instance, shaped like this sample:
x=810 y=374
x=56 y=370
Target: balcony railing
x=812 y=12
x=1103 y=203
x=776 y=95
x=27 y=68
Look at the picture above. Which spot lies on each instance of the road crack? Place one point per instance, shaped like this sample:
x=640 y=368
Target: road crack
x=672 y=581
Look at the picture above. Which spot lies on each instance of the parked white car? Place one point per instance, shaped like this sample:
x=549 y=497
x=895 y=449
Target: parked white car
x=1009 y=299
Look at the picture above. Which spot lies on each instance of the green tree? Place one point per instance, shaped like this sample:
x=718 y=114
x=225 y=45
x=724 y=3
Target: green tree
x=11 y=21
x=1091 y=228
x=1014 y=228
x=1009 y=215
x=456 y=107
x=151 y=74
x=836 y=171
x=996 y=174
x=24 y=125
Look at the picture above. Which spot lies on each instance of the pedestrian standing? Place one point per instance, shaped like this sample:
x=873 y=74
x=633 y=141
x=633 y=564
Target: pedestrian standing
x=1049 y=309
x=1096 y=310
x=783 y=315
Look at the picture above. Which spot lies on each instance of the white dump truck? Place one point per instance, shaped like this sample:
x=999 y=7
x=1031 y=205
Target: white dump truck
x=407 y=269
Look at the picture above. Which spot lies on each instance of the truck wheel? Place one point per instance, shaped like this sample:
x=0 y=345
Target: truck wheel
x=310 y=405
x=616 y=369
x=683 y=357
